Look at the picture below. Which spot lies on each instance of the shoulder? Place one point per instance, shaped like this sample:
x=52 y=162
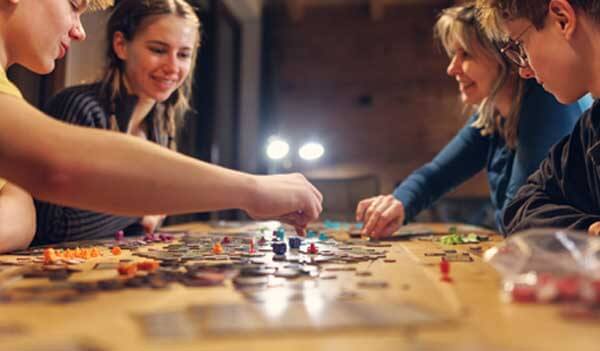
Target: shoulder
x=79 y=104
x=541 y=113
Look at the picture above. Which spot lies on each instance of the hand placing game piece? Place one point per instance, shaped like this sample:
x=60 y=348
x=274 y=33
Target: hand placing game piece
x=151 y=223
x=382 y=215
x=289 y=198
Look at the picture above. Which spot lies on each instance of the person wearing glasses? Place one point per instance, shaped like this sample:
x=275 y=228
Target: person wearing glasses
x=556 y=42
x=514 y=125
x=102 y=170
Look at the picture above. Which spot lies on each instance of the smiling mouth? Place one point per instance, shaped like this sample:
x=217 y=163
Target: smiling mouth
x=465 y=86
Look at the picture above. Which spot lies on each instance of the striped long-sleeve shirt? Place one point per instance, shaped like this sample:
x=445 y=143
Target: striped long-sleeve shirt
x=83 y=106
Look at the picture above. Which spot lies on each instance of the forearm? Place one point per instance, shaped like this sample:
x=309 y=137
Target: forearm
x=536 y=211
x=109 y=172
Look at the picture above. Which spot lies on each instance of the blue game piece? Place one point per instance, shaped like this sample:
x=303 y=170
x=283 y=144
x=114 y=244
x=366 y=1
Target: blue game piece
x=323 y=237
x=280 y=233
x=311 y=234
x=295 y=243
x=279 y=248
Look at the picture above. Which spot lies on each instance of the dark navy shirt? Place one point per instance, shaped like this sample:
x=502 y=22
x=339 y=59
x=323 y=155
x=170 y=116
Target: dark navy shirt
x=543 y=122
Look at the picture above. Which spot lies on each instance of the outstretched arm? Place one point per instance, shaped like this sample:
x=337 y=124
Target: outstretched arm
x=111 y=172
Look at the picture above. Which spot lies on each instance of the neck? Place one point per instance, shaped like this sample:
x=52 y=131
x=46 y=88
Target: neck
x=504 y=99
x=143 y=106
x=591 y=32
x=140 y=111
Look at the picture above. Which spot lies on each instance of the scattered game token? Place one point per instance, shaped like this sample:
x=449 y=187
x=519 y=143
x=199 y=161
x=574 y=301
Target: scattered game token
x=279 y=248
x=250 y=281
x=340 y=269
x=295 y=243
x=127 y=269
x=149 y=266
x=323 y=237
x=357 y=233
x=203 y=279
x=523 y=293
x=262 y=241
x=120 y=235
x=445 y=270
x=116 y=250
x=312 y=249
x=311 y=234
x=217 y=249
x=373 y=284
x=226 y=241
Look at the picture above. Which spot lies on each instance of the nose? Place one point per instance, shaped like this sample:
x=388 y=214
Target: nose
x=77 y=32
x=455 y=66
x=171 y=63
x=526 y=72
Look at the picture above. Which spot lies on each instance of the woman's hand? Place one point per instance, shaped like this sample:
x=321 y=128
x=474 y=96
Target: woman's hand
x=382 y=215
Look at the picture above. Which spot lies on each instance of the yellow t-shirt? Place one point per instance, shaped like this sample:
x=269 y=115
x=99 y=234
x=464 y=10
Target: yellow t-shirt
x=7 y=87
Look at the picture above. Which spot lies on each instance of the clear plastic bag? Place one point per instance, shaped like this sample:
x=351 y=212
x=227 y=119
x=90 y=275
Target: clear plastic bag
x=546 y=265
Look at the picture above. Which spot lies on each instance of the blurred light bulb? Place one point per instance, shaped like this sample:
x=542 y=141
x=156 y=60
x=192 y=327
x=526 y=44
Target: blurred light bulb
x=311 y=151
x=277 y=149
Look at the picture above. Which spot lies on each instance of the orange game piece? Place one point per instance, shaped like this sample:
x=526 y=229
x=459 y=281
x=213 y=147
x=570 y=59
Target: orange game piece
x=49 y=256
x=95 y=252
x=217 y=249
x=116 y=250
x=127 y=269
x=149 y=266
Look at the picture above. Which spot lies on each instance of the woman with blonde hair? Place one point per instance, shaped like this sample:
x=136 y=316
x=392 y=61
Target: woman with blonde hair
x=514 y=125
x=151 y=50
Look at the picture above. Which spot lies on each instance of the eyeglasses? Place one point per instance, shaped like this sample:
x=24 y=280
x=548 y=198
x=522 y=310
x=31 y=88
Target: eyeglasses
x=514 y=50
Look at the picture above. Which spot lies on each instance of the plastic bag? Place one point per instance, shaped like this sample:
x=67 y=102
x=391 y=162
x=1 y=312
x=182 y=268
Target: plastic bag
x=549 y=265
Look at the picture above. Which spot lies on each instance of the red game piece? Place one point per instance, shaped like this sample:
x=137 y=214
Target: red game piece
x=523 y=293
x=251 y=249
x=119 y=235
x=568 y=288
x=312 y=249
x=445 y=270
x=226 y=240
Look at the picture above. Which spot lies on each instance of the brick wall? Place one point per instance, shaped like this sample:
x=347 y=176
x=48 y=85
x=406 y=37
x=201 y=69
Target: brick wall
x=374 y=92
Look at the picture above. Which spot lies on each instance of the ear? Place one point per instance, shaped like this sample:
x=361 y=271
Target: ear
x=562 y=14
x=119 y=44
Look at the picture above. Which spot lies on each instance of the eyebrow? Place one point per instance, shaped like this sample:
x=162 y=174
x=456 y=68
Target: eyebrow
x=161 y=43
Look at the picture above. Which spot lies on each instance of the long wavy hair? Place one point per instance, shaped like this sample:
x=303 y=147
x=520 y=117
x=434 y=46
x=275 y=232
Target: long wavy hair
x=130 y=17
x=459 y=25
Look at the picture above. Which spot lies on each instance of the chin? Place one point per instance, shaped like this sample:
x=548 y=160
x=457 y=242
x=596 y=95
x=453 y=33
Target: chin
x=566 y=99
x=42 y=67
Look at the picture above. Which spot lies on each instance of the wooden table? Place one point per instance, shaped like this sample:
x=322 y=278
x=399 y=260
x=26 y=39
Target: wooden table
x=478 y=319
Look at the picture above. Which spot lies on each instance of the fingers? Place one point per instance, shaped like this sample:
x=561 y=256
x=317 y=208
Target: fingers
x=383 y=217
x=362 y=207
x=594 y=229
x=391 y=218
x=372 y=215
